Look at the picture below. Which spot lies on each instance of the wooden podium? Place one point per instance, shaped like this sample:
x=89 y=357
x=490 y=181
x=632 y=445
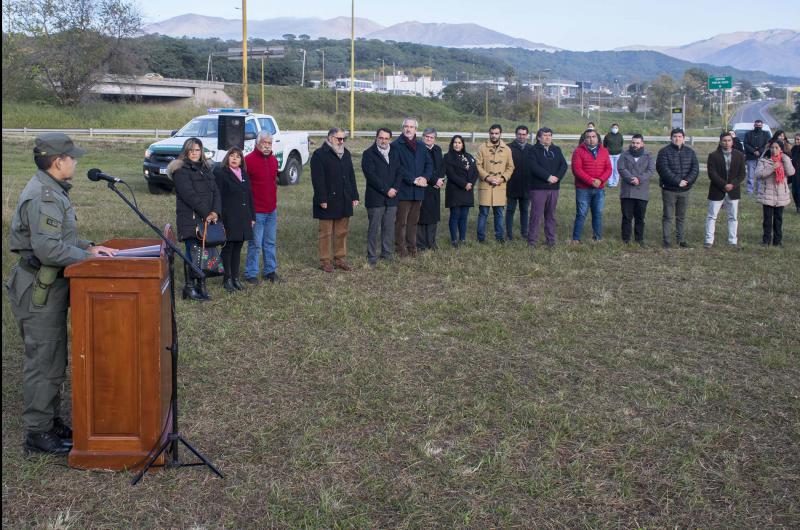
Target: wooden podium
x=121 y=361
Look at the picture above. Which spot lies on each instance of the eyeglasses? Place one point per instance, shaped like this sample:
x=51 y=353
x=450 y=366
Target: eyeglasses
x=339 y=138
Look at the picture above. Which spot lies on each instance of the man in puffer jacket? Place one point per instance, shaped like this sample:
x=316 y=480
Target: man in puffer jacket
x=677 y=169
x=591 y=166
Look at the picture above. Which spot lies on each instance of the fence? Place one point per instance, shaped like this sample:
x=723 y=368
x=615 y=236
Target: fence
x=165 y=133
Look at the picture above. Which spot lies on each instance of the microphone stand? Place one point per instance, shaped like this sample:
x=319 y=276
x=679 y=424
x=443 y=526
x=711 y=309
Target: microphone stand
x=170 y=444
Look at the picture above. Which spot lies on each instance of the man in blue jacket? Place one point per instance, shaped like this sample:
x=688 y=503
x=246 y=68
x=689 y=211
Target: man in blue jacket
x=416 y=173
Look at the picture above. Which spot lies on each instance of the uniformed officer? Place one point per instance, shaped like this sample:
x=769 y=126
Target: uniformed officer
x=44 y=234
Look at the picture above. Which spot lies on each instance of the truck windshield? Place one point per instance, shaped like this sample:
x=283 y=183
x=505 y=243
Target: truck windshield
x=200 y=128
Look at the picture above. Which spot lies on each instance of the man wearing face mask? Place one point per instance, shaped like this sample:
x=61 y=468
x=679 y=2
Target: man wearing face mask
x=613 y=142
x=755 y=143
x=495 y=167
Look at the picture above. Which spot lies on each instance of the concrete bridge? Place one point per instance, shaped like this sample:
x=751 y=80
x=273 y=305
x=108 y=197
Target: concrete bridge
x=152 y=86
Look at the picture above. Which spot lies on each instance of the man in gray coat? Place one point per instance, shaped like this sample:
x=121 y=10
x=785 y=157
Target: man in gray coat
x=635 y=166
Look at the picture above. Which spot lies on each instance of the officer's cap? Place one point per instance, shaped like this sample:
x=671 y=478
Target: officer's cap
x=56 y=143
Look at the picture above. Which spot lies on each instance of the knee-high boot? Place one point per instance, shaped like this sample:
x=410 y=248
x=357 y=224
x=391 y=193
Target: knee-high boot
x=189 y=289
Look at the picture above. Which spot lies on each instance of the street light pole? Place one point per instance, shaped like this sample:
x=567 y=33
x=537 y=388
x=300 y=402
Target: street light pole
x=244 y=54
x=322 y=83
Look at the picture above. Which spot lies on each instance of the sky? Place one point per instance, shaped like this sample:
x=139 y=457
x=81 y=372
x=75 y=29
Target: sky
x=578 y=25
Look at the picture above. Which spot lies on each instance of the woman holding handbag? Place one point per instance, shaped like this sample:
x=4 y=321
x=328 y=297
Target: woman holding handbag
x=238 y=213
x=197 y=199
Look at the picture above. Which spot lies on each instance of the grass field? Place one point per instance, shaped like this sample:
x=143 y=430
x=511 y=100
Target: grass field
x=585 y=387
x=307 y=109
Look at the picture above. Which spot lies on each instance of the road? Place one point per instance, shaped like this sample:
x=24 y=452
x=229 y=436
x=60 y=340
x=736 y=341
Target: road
x=756 y=111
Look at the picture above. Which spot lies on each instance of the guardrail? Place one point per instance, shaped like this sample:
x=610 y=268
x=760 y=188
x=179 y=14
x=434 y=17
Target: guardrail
x=473 y=135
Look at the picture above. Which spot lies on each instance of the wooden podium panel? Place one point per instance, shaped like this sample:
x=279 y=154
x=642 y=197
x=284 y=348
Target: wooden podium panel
x=121 y=362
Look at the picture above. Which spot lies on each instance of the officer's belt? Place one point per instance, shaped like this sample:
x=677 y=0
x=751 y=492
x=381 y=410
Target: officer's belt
x=24 y=265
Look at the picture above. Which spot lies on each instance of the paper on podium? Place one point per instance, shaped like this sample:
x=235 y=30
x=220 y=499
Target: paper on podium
x=151 y=251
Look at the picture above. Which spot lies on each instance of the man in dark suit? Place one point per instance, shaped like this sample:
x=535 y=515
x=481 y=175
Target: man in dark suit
x=726 y=171
x=380 y=166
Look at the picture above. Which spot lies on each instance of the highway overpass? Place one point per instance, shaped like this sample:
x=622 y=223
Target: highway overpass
x=161 y=88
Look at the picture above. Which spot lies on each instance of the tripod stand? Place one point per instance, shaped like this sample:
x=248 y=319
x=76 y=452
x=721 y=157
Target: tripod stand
x=174 y=438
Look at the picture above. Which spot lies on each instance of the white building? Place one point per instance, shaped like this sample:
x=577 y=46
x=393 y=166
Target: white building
x=404 y=84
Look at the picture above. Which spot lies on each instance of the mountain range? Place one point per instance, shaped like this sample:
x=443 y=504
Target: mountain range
x=769 y=50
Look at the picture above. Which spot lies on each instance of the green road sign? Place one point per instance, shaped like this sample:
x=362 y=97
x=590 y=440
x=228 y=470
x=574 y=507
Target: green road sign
x=720 y=82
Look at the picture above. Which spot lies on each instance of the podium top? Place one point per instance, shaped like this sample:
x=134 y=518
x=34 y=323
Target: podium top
x=122 y=267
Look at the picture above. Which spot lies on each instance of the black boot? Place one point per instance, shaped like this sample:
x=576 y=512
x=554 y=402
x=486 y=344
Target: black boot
x=237 y=284
x=45 y=442
x=189 y=290
x=200 y=286
x=63 y=431
x=227 y=284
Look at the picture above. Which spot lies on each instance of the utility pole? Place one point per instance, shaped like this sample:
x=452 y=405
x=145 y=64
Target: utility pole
x=262 y=84
x=352 y=68
x=539 y=99
x=303 y=75
x=322 y=83
x=486 y=105
x=244 y=54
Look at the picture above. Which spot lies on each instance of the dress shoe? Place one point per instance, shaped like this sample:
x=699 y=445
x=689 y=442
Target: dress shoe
x=227 y=284
x=238 y=284
x=413 y=253
x=342 y=264
x=273 y=277
x=684 y=244
x=327 y=267
x=46 y=442
x=253 y=281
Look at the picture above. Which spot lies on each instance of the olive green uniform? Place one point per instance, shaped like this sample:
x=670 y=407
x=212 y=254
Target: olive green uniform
x=44 y=233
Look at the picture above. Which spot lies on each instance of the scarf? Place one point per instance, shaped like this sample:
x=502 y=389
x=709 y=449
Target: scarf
x=780 y=173
x=237 y=171
x=636 y=152
x=411 y=142
x=384 y=152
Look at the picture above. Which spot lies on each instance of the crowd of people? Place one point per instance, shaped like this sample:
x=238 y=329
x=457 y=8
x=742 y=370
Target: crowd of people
x=405 y=176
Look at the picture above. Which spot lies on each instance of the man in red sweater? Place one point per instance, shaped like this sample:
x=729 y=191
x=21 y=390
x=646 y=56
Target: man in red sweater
x=262 y=168
x=591 y=166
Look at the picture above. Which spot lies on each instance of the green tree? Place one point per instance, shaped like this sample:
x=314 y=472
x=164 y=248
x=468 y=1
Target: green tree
x=661 y=92
x=794 y=117
x=73 y=43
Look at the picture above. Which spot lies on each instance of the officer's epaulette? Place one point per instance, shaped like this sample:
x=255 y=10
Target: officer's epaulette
x=47 y=194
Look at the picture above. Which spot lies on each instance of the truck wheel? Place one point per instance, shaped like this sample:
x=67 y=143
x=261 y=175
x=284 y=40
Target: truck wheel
x=291 y=173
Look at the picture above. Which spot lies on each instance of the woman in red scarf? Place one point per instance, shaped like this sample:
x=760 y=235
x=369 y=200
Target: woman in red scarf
x=773 y=170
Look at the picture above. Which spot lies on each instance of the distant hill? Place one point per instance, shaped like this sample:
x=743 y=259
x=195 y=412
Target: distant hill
x=774 y=51
x=455 y=36
x=627 y=66
x=447 y=35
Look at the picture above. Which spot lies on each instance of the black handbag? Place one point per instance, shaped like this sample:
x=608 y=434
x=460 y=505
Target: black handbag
x=211 y=234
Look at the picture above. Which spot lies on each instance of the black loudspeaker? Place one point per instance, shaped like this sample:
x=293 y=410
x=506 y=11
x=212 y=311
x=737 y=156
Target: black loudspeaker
x=231 y=132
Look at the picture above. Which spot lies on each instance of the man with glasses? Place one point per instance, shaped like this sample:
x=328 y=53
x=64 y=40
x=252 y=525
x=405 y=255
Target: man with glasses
x=335 y=196
x=380 y=165
x=262 y=168
x=44 y=233
x=416 y=173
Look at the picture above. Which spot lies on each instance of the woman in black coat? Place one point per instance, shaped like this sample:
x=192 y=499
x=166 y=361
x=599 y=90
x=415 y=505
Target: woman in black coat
x=429 y=214
x=461 y=174
x=238 y=214
x=196 y=198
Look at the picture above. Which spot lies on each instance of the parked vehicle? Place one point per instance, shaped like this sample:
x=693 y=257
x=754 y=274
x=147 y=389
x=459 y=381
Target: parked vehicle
x=291 y=149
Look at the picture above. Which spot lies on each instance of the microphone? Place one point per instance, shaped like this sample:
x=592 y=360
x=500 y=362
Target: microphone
x=96 y=175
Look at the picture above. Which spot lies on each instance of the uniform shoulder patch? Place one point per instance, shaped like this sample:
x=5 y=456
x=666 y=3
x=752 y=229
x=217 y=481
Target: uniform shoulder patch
x=49 y=225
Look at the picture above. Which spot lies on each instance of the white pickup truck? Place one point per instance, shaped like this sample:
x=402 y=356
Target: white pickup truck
x=291 y=149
